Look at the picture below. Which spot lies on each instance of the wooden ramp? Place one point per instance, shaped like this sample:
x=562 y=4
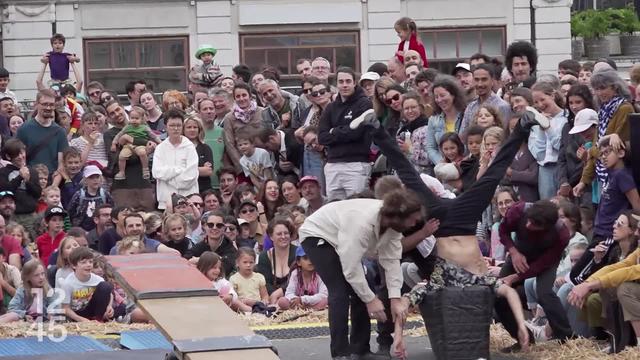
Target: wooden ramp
x=185 y=307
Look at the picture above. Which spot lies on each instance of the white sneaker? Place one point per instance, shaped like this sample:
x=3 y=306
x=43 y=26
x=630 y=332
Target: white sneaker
x=367 y=118
x=542 y=120
x=538 y=332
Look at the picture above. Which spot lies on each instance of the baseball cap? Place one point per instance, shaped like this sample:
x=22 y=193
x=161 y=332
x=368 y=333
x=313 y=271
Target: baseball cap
x=300 y=252
x=242 y=222
x=91 y=170
x=7 y=193
x=178 y=200
x=247 y=202
x=463 y=66
x=54 y=211
x=370 y=75
x=308 y=178
x=585 y=118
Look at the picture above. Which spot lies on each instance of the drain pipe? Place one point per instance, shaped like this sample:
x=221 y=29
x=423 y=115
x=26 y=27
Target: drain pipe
x=532 y=19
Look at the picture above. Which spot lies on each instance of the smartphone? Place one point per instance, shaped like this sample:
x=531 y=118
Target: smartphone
x=588 y=145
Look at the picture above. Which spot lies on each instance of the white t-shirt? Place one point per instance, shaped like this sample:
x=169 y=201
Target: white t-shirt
x=224 y=287
x=78 y=293
x=61 y=275
x=256 y=163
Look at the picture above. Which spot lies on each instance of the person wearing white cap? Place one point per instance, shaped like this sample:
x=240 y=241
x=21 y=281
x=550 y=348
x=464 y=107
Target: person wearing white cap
x=462 y=73
x=85 y=201
x=368 y=81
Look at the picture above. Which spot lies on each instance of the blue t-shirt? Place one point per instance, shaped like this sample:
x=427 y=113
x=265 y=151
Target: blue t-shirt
x=52 y=138
x=613 y=200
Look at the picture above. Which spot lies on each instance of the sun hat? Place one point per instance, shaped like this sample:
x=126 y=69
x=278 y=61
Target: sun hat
x=205 y=49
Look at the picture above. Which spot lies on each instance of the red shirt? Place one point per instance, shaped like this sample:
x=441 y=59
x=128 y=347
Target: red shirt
x=11 y=246
x=47 y=245
x=417 y=45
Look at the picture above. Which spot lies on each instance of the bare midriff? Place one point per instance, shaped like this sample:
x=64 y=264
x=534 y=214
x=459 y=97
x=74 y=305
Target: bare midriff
x=462 y=251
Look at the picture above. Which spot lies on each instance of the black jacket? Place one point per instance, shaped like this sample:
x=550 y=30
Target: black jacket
x=344 y=144
x=226 y=250
x=569 y=166
x=295 y=151
x=26 y=193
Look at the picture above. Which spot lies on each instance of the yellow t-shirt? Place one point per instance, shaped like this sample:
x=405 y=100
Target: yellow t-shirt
x=248 y=288
x=449 y=127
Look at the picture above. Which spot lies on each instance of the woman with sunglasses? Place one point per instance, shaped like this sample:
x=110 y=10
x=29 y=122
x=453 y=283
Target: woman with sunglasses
x=379 y=104
x=393 y=97
x=232 y=230
x=449 y=105
x=216 y=241
x=106 y=96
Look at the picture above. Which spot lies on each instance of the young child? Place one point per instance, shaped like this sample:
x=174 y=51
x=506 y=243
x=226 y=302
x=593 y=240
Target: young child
x=124 y=309
x=130 y=245
x=491 y=141
x=49 y=241
x=133 y=138
x=250 y=286
x=26 y=304
x=208 y=73
x=210 y=265
x=174 y=228
x=69 y=178
x=407 y=31
x=86 y=200
x=470 y=165
x=244 y=238
x=63 y=264
x=584 y=76
x=305 y=289
x=91 y=142
x=87 y=296
x=58 y=60
x=246 y=192
x=21 y=234
x=452 y=151
x=4 y=86
x=9 y=280
x=487 y=116
x=618 y=194
x=256 y=162
x=43 y=176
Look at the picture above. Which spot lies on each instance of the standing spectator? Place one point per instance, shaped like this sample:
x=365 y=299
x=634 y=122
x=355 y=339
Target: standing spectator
x=45 y=140
x=286 y=150
x=22 y=181
x=321 y=68
x=303 y=67
x=414 y=130
x=522 y=61
x=91 y=142
x=194 y=131
x=320 y=97
x=483 y=75
x=175 y=162
x=155 y=119
x=4 y=85
x=462 y=73
x=396 y=70
x=212 y=112
x=134 y=89
x=449 y=104
x=613 y=93
x=348 y=169
x=94 y=90
x=282 y=110
x=245 y=113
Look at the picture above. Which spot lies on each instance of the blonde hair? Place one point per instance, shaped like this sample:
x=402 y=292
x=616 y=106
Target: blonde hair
x=384 y=82
x=12 y=226
x=27 y=271
x=48 y=189
x=494 y=132
x=128 y=243
x=61 y=261
x=195 y=118
x=139 y=109
x=172 y=218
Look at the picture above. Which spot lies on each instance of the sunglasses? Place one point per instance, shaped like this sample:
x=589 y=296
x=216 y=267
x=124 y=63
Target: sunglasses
x=306 y=91
x=95 y=93
x=395 y=97
x=215 y=225
x=231 y=228
x=319 y=92
x=6 y=193
x=197 y=204
x=247 y=211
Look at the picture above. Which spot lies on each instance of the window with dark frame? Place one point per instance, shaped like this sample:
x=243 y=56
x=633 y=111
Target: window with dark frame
x=448 y=46
x=163 y=62
x=282 y=50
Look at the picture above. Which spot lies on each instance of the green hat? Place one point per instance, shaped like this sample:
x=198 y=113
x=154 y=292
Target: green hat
x=205 y=49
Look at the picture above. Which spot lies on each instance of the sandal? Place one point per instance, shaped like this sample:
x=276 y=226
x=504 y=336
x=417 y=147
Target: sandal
x=119 y=177
x=146 y=174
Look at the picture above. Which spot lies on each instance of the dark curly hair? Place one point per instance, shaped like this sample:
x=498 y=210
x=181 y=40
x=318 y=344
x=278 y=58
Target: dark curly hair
x=522 y=49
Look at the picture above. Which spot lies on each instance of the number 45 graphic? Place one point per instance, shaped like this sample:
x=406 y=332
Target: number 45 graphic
x=54 y=331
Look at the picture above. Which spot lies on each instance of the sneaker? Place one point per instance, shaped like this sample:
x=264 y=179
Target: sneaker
x=126 y=319
x=538 y=332
x=368 y=118
x=532 y=117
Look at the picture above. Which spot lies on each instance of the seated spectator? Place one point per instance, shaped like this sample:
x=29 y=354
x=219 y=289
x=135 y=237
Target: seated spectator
x=250 y=285
x=274 y=264
x=174 y=228
x=210 y=265
x=91 y=142
x=24 y=305
x=87 y=296
x=271 y=199
x=49 y=241
x=305 y=289
x=291 y=193
x=10 y=281
x=215 y=241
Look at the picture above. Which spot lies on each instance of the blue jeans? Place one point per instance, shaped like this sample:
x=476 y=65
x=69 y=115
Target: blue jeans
x=547 y=182
x=313 y=165
x=579 y=327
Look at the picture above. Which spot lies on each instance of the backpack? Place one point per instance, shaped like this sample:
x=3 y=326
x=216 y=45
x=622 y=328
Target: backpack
x=83 y=195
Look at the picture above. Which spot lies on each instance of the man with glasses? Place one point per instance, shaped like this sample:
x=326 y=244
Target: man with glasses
x=45 y=140
x=94 y=90
x=282 y=108
x=215 y=241
x=321 y=68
